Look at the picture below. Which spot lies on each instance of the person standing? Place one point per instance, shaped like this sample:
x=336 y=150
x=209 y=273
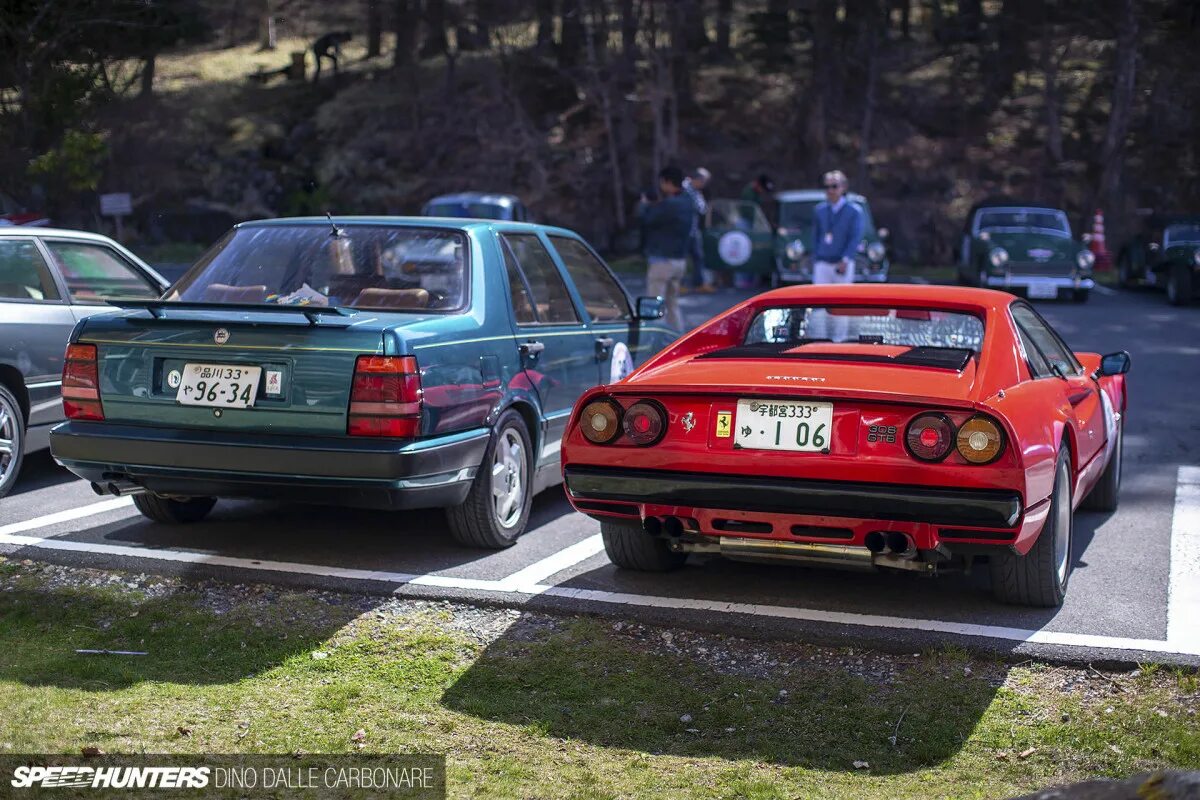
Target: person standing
x=837 y=232
x=667 y=226
x=701 y=278
x=761 y=192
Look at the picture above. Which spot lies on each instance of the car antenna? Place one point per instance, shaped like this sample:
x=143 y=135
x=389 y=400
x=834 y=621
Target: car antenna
x=336 y=232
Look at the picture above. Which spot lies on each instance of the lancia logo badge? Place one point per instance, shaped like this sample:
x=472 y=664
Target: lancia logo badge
x=689 y=422
x=221 y=336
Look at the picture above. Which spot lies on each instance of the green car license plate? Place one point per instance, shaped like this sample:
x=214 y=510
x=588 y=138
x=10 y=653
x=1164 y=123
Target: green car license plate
x=218 y=385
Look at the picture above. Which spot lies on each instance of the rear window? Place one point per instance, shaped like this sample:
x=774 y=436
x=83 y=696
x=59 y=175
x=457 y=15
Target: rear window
x=358 y=266
x=789 y=327
x=469 y=210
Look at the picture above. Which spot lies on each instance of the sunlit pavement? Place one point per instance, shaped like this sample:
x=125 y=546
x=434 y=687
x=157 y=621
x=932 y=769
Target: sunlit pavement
x=1131 y=597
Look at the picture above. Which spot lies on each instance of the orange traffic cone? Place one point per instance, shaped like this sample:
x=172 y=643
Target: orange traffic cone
x=1096 y=245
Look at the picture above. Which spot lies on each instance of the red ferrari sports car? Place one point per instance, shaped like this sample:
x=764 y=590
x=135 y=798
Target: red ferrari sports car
x=901 y=427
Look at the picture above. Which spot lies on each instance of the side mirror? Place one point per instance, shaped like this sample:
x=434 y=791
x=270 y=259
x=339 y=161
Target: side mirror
x=883 y=233
x=1117 y=363
x=651 y=308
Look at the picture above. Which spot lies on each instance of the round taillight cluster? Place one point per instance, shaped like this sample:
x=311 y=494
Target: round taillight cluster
x=932 y=437
x=644 y=423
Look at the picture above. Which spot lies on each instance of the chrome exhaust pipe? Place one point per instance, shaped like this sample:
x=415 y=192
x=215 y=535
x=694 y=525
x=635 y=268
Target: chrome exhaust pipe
x=652 y=526
x=875 y=542
x=673 y=527
x=118 y=488
x=901 y=545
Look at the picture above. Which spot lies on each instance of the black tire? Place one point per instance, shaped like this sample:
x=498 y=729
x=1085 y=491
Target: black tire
x=1035 y=579
x=170 y=511
x=1179 y=285
x=1080 y=295
x=477 y=522
x=1107 y=492
x=630 y=547
x=12 y=433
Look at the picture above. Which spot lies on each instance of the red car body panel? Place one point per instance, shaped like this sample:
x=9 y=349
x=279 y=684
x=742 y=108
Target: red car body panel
x=1037 y=416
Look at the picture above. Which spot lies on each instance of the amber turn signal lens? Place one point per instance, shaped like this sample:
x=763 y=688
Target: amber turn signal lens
x=600 y=421
x=980 y=440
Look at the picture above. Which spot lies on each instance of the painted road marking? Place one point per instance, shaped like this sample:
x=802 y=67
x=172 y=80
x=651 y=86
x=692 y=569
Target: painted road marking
x=1183 y=590
x=69 y=515
x=1183 y=604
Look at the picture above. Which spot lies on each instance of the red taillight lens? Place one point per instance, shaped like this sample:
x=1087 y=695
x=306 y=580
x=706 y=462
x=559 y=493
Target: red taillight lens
x=930 y=437
x=385 y=397
x=81 y=383
x=645 y=423
x=600 y=421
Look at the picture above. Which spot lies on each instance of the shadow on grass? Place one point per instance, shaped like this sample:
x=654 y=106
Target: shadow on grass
x=586 y=685
x=42 y=629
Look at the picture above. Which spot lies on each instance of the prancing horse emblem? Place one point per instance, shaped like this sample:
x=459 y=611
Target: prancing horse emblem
x=689 y=422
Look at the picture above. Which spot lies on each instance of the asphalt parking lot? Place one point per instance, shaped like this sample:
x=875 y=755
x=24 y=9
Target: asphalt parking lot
x=1134 y=595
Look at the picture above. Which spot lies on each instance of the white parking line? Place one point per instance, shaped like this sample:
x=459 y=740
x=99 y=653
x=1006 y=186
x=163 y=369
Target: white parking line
x=1183 y=606
x=1183 y=591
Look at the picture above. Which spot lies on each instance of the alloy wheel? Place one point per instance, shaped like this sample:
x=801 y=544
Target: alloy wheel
x=1062 y=523
x=509 y=476
x=10 y=440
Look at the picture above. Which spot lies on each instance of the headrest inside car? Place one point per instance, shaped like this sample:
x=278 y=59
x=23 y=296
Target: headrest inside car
x=224 y=293
x=392 y=298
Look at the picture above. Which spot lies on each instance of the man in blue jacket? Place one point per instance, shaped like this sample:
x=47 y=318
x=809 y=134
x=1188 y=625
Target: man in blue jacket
x=837 y=232
x=667 y=226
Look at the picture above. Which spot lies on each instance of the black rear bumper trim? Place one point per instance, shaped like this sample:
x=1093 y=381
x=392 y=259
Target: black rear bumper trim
x=985 y=508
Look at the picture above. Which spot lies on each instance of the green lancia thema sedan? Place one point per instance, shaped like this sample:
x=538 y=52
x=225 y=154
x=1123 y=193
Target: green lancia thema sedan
x=377 y=362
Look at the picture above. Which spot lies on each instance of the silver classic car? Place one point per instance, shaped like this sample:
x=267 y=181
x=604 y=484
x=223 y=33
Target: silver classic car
x=49 y=280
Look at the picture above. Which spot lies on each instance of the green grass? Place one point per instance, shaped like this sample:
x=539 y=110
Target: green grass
x=566 y=710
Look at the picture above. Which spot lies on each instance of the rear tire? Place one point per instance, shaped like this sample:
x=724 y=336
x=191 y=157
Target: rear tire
x=170 y=511
x=630 y=547
x=1040 y=577
x=1107 y=493
x=12 y=440
x=487 y=518
x=1179 y=285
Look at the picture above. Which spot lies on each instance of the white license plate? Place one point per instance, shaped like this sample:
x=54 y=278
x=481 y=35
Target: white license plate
x=218 y=385
x=1043 y=291
x=804 y=427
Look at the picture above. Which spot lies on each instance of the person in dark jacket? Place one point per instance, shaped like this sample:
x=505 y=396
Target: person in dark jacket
x=667 y=226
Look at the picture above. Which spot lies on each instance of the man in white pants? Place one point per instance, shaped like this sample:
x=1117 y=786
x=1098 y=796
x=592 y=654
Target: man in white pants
x=837 y=232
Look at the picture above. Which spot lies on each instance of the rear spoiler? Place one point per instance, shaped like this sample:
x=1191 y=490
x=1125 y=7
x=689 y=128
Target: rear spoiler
x=157 y=308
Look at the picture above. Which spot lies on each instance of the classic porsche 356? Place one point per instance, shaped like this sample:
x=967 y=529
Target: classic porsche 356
x=880 y=427
x=385 y=362
x=1024 y=247
x=1166 y=253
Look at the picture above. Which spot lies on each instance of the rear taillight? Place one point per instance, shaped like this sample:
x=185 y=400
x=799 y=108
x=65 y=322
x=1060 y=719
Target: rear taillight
x=980 y=440
x=385 y=397
x=930 y=437
x=645 y=423
x=81 y=383
x=600 y=421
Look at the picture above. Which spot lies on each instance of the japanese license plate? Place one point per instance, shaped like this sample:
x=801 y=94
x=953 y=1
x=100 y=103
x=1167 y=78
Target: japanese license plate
x=797 y=425
x=218 y=385
x=1043 y=291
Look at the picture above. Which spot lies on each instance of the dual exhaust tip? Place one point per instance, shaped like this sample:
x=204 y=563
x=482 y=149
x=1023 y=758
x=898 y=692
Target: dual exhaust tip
x=893 y=542
x=117 y=488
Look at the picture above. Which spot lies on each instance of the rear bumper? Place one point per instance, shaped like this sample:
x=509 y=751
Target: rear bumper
x=931 y=508
x=1057 y=282
x=357 y=472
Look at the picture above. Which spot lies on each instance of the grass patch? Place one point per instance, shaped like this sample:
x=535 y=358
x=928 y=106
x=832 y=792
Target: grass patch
x=557 y=707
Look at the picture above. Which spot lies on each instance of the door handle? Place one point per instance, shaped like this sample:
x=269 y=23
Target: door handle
x=530 y=351
x=1075 y=398
x=603 y=347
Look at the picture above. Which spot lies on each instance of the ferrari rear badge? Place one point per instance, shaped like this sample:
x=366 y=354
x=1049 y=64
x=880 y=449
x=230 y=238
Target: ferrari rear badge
x=689 y=421
x=220 y=336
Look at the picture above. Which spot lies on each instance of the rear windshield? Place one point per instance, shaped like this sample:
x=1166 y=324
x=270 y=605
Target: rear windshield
x=781 y=329
x=359 y=266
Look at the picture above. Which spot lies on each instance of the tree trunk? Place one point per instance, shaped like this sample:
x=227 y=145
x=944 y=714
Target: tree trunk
x=868 y=116
x=266 y=26
x=374 y=28
x=1050 y=99
x=680 y=12
x=624 y=111
x=435 y=42
x=147 y=76
x=629 y=32
x=815 y=103
x=406 y=18
x=905 y=18
x=724 y=20
x=571 y=43
x=1125 y=80
x=545 y=25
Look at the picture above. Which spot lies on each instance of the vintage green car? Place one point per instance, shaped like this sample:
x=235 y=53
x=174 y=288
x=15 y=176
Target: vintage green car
x=1166 y=253
x=738 y=238
x=794 y=243
x=376 y=361
x=1026 y=247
